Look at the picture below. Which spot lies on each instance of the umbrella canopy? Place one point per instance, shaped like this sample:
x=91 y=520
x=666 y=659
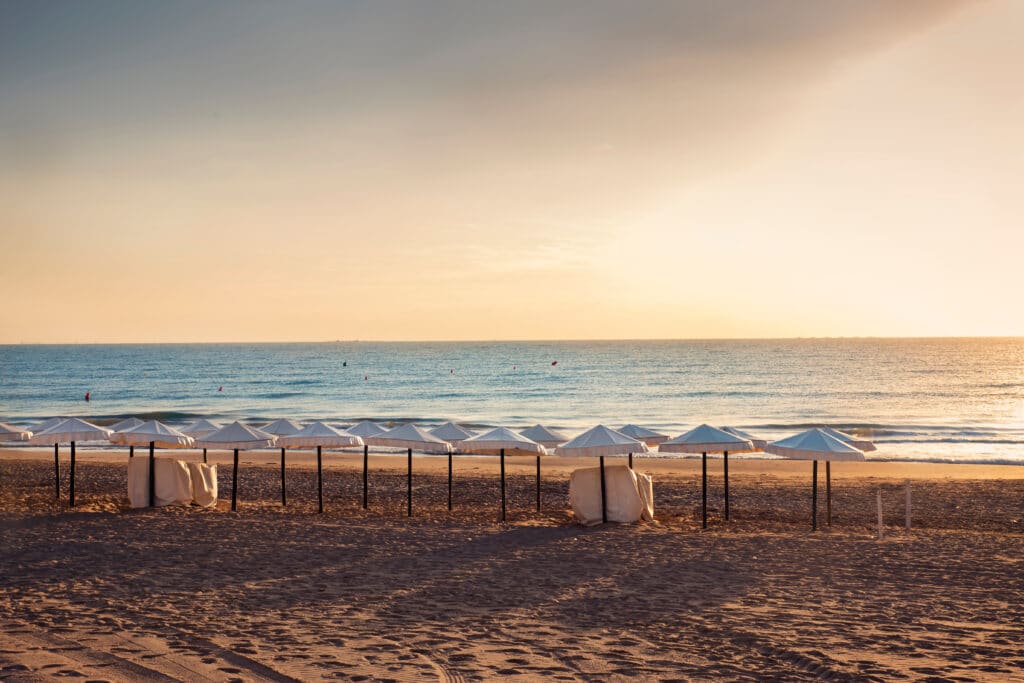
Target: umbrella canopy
x=236 y=435
x=499 y=439
x=409 y=436
x=201 y=428
x=71 y=429
x=545 y=436
x=452 y=432
x=758 y=442
x=648 y=436
x=126 y=424
x=859 y=444
x=600 y=441
x=9 y=433
x=366 y=428
x=814 y=444
x=157 y=433
x=318 y=434
x=281 y=428
x=705 y=439
x=46 y=424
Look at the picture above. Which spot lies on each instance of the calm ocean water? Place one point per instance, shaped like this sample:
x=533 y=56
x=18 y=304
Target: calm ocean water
x=927 y=399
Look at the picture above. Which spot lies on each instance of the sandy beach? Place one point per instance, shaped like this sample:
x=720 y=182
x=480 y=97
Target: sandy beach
x=103 y=592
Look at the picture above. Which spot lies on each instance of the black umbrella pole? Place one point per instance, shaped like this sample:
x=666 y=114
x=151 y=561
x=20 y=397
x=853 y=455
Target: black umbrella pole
x=71 y=493
x=604 y=503
x=704 y=490
x=366 y=464
x=408 y=480
x=502 y=484
x=234 y=483
x=319 y=479
x=814 y=496
x=828 y=492
x=538 y=483
x=449 y=481
x=56 y=469
x=204 y=455
x=284 y=499
x=152 y=475
x=630 y=461
x=725 y=474
x=131 y=451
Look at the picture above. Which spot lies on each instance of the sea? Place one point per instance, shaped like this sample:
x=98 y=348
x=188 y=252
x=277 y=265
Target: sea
x=939 y=400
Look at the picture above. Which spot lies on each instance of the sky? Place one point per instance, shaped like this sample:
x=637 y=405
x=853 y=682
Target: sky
x=587 y=169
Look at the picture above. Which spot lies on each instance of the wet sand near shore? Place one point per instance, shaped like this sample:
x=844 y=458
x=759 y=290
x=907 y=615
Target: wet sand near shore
x=103 y=592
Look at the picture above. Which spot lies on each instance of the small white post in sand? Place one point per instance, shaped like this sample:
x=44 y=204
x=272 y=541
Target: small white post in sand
x=908 y=505
x=879 y=497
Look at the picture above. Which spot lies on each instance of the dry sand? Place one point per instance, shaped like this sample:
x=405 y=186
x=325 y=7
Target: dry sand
x=102 y=592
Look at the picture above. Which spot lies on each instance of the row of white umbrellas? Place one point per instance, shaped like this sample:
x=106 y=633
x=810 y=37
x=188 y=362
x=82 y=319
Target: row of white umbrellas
x=815 y=444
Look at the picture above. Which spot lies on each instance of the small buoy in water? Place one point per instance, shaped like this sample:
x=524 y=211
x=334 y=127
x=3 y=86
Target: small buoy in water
x=220 y=388
x=554 y=362
x=87 y=395
x=452 y=371
x=344 y=364
x=366 y=377
x=513 y=367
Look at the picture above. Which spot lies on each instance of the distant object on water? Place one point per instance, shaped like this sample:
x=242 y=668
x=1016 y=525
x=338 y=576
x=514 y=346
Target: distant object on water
x=554 y=362
x=87 y=396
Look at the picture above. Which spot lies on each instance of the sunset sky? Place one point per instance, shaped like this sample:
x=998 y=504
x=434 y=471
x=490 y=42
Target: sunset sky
x=195 y=171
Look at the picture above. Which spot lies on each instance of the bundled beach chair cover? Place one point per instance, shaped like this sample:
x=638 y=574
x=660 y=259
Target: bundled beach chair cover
x=629 y=497
x=204 y=484
x=173 y=483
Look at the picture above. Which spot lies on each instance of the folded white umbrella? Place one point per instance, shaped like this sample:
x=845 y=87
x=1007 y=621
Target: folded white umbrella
x=503 y=442
x=706 y=439
x=366 y=428
x=648 y=436
x=155 y=434
x=9 y=433
x=69 y=430
x=409 y=437
x=757 y=441
x=600 y=442
x=236 y=436
x=816 y=444
x=315 y=435
x=452 y=432
x=545 y=436
x=859 y=444
x=126 y=424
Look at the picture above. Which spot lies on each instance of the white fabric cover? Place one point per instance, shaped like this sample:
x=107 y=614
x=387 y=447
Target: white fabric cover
x=319 y=434
x=648 y=436
x=46 y=424
x=410 y=436
x=598 y=441
x=494 y=441
x=204 y=483
x=126 y=424
x=624 y=500
x=236 y=435
x=173 y=482
x=366 y=428
x=452 y=432
x=281 y=428
x=153 y=431
x=706 y=439
x=545 y=436
x=814 y=444
x=859 y=444
x=9 y=433
x=71 y=429
x=757 y=441
x=201 y=428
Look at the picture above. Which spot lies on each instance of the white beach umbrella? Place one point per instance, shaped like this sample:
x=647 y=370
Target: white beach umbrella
x=452 y=432
x=409 y=437
x=859 y=444
x=123 y=426
x=600 y=442
x=316 y=435
x=503 y=442
x=154 y=434
x=545 y=436
x=648 y=436
x=71 y=430
x=757 y=441
x=280 y=428
x=46 y=424
x=9 y=433
x=706 y=439
x=236 y=436
x=201 y=428
x=815 y=445
x=366 y=428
